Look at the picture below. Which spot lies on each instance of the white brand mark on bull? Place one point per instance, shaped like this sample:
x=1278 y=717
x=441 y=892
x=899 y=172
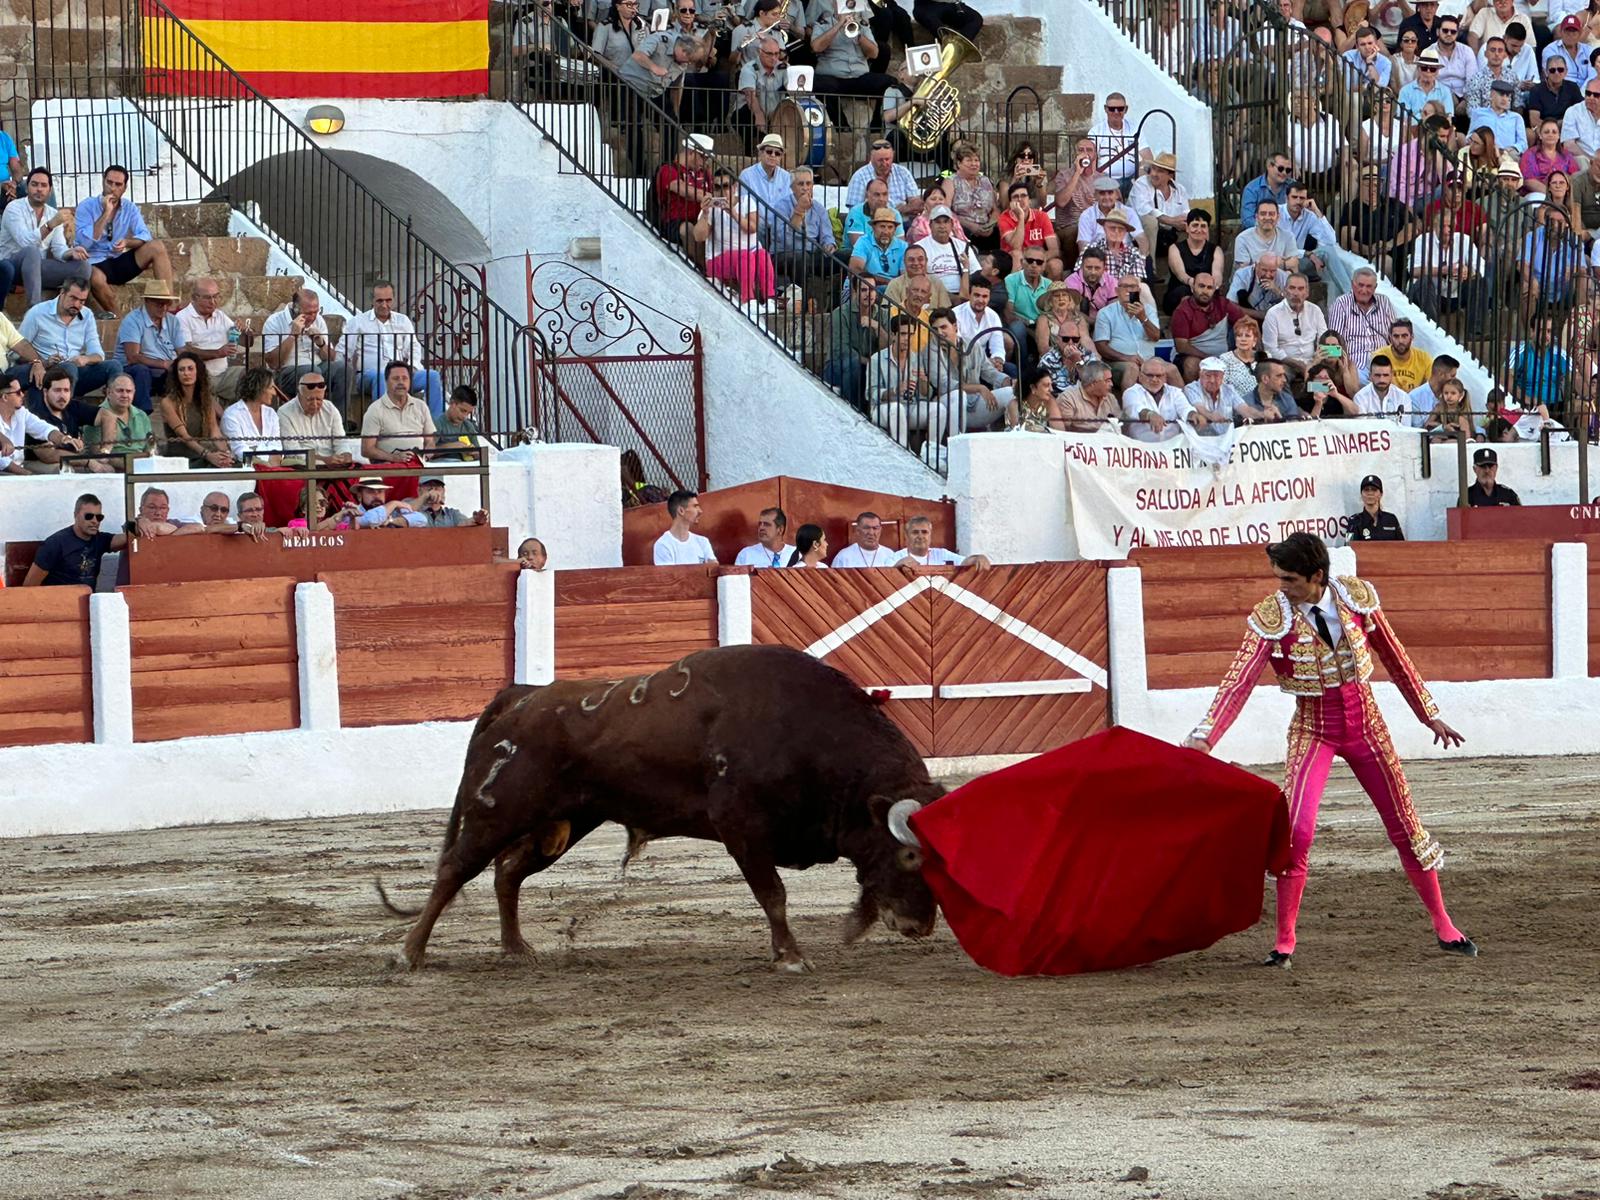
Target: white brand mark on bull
x=508 y=751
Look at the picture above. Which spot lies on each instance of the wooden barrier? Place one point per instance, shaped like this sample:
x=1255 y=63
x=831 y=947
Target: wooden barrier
x=1594 y=605
x=305 y=556
x=1195 y=603
x=45 y=668
x=422 y=644
x=617 y=621
x=213 y=657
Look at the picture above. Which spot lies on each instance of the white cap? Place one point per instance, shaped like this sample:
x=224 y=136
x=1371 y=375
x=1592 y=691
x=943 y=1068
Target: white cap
x=939 y=210
x=1213 y=364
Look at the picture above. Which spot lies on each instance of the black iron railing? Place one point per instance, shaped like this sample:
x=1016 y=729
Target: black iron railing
x=125 y=79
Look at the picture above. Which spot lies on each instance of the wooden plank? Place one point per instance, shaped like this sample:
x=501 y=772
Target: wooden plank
x=624 y=661
x=634 y=585
x=187 y=720
x=1467 y=663
x=25 y=637
x=220 y=686
x=221 y=659
x=49 y=694
x=208 y=599
x=488 y=662
x=1510 y=556
x=219 y=633
x=21 y=605
x=421 y=586
x=399 y=628
x=701 y=628
x=46 y=728
x=72 y=664
x=448 y=701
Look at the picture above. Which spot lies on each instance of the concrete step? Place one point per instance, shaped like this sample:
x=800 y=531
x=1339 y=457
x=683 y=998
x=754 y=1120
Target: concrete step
x=241 y=295
x=193 y=256
x=186 y=220
x=1018 y=40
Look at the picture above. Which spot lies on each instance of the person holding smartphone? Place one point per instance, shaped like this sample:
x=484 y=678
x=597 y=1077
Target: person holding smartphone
x=1330 y=351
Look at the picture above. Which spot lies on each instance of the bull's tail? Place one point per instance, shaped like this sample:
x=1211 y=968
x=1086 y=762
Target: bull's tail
x=389 y=904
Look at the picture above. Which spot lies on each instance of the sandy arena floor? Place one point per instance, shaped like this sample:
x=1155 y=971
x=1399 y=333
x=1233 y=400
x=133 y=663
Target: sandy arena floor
x=213 y=1012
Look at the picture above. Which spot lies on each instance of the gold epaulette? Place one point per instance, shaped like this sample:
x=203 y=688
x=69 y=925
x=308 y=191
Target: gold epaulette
x=1359 y=595
x=1271 y=618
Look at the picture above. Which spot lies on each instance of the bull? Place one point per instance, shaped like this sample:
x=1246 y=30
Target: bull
x=764 y=749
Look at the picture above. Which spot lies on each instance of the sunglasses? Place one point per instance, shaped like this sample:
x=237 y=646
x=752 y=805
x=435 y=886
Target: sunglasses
x=313 y=387
x=1025 y=156
x=686 y=10
x=94 y=516
x=1556 y=69
x=1426 y=67
x=770 y=150
x=1116 y=108
x=215 y=507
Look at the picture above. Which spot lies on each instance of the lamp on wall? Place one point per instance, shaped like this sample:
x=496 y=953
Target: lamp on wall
x=325 y=118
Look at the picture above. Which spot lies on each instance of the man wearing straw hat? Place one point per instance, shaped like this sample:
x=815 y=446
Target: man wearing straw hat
x=1161 y=205
x=148 y=340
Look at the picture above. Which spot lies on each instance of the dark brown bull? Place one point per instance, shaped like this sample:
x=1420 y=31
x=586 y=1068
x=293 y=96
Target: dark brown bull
x=779 y=757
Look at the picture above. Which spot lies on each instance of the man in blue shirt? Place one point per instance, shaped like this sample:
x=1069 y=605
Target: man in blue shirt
x=1539 y=369
x=1551 y=260
x=71 y=557
x=1426 y=87
x=1272 y=184
x=800 y=233
x=63 y=335
x=119 y=244
x=148 y=340
x=1368 y=63
x=1498 y=118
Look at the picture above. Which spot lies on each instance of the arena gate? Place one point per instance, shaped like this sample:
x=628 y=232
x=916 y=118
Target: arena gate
x=1006 y=661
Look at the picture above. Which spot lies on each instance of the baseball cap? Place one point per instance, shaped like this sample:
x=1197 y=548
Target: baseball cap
x=1484 y=457
x=1570 y=21
x=939 y=210
x=1213 y=364
x=700 y=143
x=1371 y=481
x=1107 y=184
x=427 y=479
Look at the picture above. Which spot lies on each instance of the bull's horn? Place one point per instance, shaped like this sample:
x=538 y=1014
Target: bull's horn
x=899 y=821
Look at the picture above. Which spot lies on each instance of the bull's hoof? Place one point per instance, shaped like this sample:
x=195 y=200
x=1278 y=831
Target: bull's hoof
x=792 y=966
x=407 y=961
x=517 y=949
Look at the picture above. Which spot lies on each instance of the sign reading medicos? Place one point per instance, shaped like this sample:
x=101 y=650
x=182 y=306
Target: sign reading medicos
x=1259 y=485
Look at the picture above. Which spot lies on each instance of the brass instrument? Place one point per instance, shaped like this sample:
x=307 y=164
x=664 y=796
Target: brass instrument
x=941 y=107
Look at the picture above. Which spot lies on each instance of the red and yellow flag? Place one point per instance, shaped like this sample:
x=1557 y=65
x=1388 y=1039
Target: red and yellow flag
x=392 y=49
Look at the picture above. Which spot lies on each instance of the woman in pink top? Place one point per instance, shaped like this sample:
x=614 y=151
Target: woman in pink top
x=1545 y=156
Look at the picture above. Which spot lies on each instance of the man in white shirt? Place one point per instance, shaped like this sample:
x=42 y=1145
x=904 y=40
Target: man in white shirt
x=18 y=424
x=294 y=340
x=1380 y=398
x=921 y=552
x=770 y=550
x=1293 y=325
x=36 y=243
x=975 y=317
x=1580 y=126
x=1211 y=397
x=309 y=422
x=1154 y=407
x=209 y=335
x=679 y=545
x=950 y=260
x=379 y=336
x=867 y=549
x=1116 y=143
x=1162 y=206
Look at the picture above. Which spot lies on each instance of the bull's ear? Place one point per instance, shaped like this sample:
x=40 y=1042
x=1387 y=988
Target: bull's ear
x=879 y=807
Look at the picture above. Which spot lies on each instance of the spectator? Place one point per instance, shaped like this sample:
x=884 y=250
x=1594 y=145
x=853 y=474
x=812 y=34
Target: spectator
x=1539 y=369
x=1122 y=253
x=123 y=430
x=1490 y=22
x=1469 y=218
x=765 y=180
x=866 y=548
x=910 y=391
x=1154 y=408
x=916 y=303
x=371 y=508
x=985 y=391
x=253 y=515
x=1116 y=142
x=1323 y=396
x=294 y=341
x=1457 y=63
x=250 y=423
x=1024 y=289
x=1424 y=22
x=1074 y=195
x=531 y=555
x=800 y=234
x=210 y=335
x=1527 y=416
x=1523 y=58
x=1586 y=197
x=431 y=505
x=1201 y=327
x=1265 y=237
x=67 y=415
x=844 y=65
x=1061 y=337
x=1496 y=68
x=1316 y=142
x=1035 y=409
x=810 y=548
x=154 y=516
x=763 y=85
x=950 y=260
x=734 y=254
x=921 y=552
x=1187 y=257
x=1092 y=281
x=1404 y=62
x=1107 y=197
x=1125 y=335
x=18 y=424
x=34 y=243
x=682 y=187
x=1550 y=263
x=858 y=220
x=1568 y=50
x=1545 y=158
x=310 y=424
x=1448 y=273
x=119 y=245
x=1259 y=287
x=71 y=557
x=1314 y=239
x=769 y=549
x=382 y=335
x=636 y=490
x=1411 y=364
x=1162 y=206
x=1367 y=61
x=878 y=259
x=1372 y=224
x=916 y=267
x=900 y=189
x=1381 y=398
x=1089 y=406
x=1024 y=228
x=1425 y=397
x=191 y=416
x=147 y=341
x=973 y=198
x=322 y=520
x=619 y=34
x=1373 y=523
x=1239 y=364
x=852 y=341
x=1210 y=397
x=1420 y=165
x=1580 y=127
x=1488 y=492
x=397 y=425
x=58 y=333
x=1553 y=96
x=1269 y=401
x=979 y=324
x=1331 y=351
x=1272 y=184
x=1024 y=168
x=1293 y=325
x=1452 y=415
x=458 y=427
x=214 y=511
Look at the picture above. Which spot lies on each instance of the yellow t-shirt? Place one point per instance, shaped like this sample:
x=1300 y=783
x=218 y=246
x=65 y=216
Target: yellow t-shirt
x=1410 y=372
x=9 y=336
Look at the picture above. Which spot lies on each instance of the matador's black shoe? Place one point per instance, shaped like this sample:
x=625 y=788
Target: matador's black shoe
x=1279 y=959
x=1464 y=946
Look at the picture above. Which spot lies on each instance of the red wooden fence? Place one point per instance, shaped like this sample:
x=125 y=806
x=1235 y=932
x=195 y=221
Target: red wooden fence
x=45 y=667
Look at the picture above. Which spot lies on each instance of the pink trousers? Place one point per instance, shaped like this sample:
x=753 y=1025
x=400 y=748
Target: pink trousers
x=750 y=269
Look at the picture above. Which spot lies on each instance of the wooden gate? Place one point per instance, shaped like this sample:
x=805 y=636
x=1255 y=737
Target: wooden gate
x=1006 y=661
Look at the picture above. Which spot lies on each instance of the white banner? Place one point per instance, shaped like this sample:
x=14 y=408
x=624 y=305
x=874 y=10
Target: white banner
x=1123 y=494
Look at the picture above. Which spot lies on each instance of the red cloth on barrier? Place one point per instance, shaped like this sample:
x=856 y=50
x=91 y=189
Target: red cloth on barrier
x=282 y=496
x=1110 y=852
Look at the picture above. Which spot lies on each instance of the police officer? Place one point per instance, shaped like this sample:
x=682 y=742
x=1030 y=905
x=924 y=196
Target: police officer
x=1372 y=523
x=1486 y=493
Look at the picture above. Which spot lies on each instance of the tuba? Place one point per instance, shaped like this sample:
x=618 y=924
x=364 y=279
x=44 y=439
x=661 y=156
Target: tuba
x=931 y=121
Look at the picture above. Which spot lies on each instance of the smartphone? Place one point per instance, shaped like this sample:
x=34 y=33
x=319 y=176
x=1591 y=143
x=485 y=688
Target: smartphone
x=1333 y=351
x=1319 y=387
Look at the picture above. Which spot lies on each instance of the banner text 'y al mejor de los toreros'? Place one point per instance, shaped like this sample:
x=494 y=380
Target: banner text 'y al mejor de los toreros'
x=388 y=49
x=1126 y=495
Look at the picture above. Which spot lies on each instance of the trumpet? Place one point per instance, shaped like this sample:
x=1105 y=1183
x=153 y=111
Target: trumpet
x=852 y=28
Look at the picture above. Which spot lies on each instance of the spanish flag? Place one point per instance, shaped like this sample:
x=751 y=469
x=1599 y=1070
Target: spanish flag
x=392 y=49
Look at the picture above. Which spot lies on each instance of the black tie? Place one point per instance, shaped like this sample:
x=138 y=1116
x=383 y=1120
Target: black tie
x=1322 y=625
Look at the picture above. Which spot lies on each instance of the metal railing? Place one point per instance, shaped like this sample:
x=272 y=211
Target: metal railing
x=112 y=80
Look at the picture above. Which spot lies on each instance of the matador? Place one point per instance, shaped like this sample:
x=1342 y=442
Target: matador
x=1319 y=635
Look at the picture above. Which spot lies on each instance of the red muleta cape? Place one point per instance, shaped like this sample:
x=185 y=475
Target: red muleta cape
x=1110 y=852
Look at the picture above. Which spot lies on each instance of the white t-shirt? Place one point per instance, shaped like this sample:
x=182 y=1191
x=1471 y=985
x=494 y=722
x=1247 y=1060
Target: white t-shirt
x=969 y=325
x=670 y=552
x=937 y=556
x=852 y=556
x=946 y=259
x=759 y=556
x=206 y=333
x=726 y=233
x=821 y=566
x=275 y=330
x=239 y=427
